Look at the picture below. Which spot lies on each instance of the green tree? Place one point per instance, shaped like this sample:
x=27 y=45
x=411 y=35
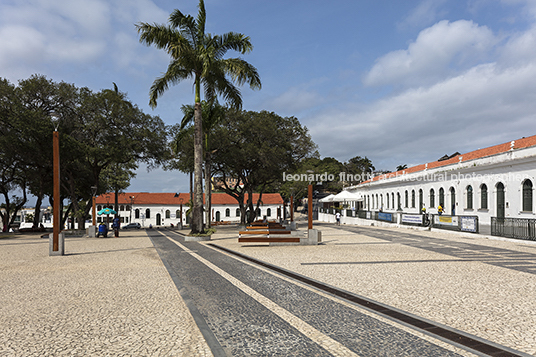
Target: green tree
x=256 y=149
x=199 y=56
x=359 y=167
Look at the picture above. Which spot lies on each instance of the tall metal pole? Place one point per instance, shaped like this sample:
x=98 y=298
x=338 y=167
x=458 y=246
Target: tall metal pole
x=56 y=180
x=94 y=210
x=310 y=206
x=292 y=208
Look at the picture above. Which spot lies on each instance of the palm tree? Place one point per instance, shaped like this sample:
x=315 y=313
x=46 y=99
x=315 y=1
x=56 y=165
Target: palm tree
x=199 y=56
x=212 y=115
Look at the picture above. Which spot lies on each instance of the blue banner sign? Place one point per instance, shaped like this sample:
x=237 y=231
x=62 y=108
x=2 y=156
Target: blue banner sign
x=385 y=216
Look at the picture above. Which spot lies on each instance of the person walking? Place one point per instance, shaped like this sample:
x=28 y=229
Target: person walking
x=115 y=225
x=440 y=210
x=338 y=218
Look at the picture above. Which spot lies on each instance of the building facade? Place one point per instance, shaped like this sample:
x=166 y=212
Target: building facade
x=497 y=181
x=166 y=209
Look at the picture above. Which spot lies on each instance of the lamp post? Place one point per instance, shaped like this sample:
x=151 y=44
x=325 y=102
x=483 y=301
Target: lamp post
x=56 y=246
x=180 y=213
x=131 y=207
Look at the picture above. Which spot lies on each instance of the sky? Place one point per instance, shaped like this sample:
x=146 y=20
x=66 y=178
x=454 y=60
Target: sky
x=400 y=82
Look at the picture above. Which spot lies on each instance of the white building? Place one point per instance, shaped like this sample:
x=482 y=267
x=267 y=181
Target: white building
x=497 y=181
x=164 y=209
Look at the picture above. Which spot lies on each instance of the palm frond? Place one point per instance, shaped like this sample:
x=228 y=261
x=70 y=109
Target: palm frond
x=185 y=23
x=174 y=74
x=161 y=36
x=201 y=20
x=188 y=118
x=242 y=72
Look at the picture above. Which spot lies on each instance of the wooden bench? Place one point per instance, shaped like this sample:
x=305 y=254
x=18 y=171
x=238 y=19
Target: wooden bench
x=268 y=232
x=261 y=232
x=266 y=239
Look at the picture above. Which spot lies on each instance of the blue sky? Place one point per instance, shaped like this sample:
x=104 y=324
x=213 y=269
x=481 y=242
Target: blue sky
x=401 y=82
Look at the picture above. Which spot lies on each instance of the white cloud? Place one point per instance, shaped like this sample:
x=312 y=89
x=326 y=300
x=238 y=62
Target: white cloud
x=485 y=105
x=520 y=48
x=36 y=35
x=438 y=51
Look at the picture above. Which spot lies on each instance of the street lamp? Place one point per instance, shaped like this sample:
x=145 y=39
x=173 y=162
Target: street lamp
x=180 y=213
x=131 y=207
x=56 y=246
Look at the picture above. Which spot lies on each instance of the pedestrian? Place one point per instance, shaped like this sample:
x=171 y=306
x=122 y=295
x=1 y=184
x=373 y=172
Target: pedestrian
x=423 y=210
x=115 y=225
x=338 y=218
x=440 y=210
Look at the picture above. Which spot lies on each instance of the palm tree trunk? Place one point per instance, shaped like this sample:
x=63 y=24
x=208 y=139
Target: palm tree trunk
x=197 y=219
x=208 y=189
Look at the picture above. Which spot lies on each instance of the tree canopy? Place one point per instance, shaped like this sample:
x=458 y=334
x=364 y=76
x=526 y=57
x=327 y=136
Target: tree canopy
x=98 y=131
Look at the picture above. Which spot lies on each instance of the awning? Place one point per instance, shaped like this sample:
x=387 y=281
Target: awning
x=346 y=196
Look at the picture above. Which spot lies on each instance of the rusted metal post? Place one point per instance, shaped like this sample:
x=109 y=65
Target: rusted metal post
x=292 y=208
x=56 y=180
x=310 y=206
x=94 y=211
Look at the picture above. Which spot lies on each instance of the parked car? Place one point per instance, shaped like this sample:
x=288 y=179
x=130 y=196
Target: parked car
x=132 y=226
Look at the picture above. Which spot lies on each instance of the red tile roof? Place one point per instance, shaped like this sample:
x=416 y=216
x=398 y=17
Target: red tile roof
x=147 y=198
x=477 y=154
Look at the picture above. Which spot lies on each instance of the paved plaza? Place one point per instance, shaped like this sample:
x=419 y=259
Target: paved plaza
x=150 y=293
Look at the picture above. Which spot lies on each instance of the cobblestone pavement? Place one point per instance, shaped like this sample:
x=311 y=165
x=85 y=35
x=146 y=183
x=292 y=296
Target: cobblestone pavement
x=156 y=295
x=105 y=297
x=480 y=286
x=253 y=312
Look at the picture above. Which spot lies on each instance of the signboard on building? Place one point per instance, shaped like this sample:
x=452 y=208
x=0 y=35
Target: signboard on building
x=446 y=220
x=385 y=216
x=412 y=218
x=469 y=224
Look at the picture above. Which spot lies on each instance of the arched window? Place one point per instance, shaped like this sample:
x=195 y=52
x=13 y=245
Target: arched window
x=398 y=201
x=147 y=213
x=501 y=203
x=469 y=197
x=421 y=199
x=238 y=212
x=452 y=201
x=483 y=196
x=406 y=201
x=168 y=214
x=178 y=214
x=442 y=197
x=432 y=198
x=387 y=200
x=227 y=212
x=527 y=196
x=268 y=212
x=137 y=213
x=412 y=198
x=128 y=207
x=393 y=199
x=99 y=207
x=122 y=208
x=381 y=202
